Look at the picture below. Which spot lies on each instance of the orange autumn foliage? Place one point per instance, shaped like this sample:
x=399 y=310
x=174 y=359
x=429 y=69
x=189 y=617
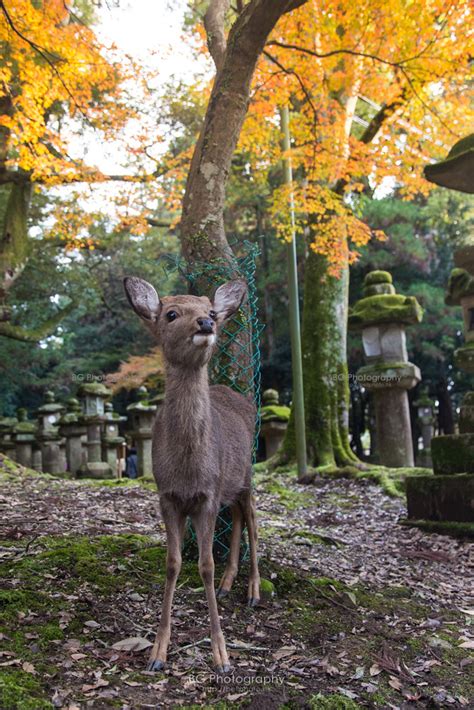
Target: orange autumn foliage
x=136 y=371
x=377 y=89
x=55 y=80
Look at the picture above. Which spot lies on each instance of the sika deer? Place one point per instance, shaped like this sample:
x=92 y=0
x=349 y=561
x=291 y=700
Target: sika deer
x=202 y=441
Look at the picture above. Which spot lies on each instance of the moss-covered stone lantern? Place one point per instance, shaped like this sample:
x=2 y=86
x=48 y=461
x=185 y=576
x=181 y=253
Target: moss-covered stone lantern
x=382 y=316
x=425 y=411
x=72 y=428
x=24 y=436
x=448 y=496
x=111 y=439
x=48 y=434
x=93 y=396
x=461 y=293
x=141 y=416
x=274 y=418
x=7 y=444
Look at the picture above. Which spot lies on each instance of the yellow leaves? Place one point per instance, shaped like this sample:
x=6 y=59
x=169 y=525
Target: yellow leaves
x=342 y=66
x=332 y=224
x=54 y=67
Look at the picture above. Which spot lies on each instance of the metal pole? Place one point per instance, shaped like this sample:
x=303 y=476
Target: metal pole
x=296 y=359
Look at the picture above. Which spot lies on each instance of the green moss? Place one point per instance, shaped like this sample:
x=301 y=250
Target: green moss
x=385 y=308
x=443 y=527
x=286 y=496
x=453 y=453
x=460 y=284
x=267 y=588
x=334 y=701
x=464 y=357
x=120 y=483
x=314 y=538
x=393 y=480
x=275 y=412
x=21 y=691
x=378 y=277
x=102 y=562
x=324 y=367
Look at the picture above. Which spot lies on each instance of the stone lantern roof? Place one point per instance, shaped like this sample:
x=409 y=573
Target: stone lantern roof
x=143 y=404
x=50 y=406
x=460 y=284
x=71 y=416
x=457 y=171
x=96 y=389
x=24 y=426
x=381 y=304
x=272 y=410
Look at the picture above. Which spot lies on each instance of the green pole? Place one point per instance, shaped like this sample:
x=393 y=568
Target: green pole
x=296 y=359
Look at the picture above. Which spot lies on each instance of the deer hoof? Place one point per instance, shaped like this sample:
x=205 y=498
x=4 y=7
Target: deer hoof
x=222 y=593
x=223 y=669
x=155 y=665
x=253 y=601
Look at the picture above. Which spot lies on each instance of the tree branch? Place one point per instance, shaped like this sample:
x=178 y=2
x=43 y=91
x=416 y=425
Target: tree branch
x=292 y=72
x=398 y=66
x=202 y=224
x=214 y=25
x=43 y=53
x=16 y=332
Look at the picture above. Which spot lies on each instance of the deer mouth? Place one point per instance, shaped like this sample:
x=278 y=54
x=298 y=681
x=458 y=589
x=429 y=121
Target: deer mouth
x=201 y=338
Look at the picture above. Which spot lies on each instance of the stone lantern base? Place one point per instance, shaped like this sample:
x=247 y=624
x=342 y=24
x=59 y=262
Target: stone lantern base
x=95 y=469
x=273 y=432
x=441 y=498
x=449 y=494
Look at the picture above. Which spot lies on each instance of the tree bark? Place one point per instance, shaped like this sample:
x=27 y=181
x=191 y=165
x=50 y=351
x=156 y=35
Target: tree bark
x=324 y=367
x=202 y=230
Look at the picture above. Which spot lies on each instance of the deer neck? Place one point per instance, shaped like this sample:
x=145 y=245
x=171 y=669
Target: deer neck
x=187 y=406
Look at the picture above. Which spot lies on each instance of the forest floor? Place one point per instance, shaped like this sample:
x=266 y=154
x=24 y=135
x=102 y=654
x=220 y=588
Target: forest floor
x=367 y=612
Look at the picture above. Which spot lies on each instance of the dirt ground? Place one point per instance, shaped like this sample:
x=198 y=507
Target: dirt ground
x=365 y=612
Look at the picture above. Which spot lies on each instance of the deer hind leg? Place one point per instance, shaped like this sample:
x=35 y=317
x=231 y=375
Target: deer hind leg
x=204 y=522
x=232 y=566
x=250 y=515
x=174 y=523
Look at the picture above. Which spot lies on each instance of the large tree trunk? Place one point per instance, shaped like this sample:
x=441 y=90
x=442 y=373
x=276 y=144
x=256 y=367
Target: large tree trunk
x=202 y=230
x=325 y=373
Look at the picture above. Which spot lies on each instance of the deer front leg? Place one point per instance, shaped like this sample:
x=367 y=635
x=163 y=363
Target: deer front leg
x=250 y=515
x=174 y=523
x=232 y=566
x=204 y=524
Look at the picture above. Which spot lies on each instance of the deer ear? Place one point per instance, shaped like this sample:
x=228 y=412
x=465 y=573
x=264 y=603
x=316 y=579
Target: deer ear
x=142 y=297
x=229 y=297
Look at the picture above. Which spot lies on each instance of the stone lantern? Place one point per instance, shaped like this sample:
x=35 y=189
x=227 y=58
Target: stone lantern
x=72 y=428
x=382 y=316
x=7 y=444
x=141 y=416
x=274 y=418
x=449 y=494
x=425 y=411
x=93 y=396
x=111 y=439
x=24 y=436
x=48 y=434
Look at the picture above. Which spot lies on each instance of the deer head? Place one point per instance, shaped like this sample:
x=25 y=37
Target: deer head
x=186 y=327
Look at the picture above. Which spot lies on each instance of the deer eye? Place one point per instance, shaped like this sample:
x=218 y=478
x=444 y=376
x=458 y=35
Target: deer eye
x=213 y=315
x=171 y=315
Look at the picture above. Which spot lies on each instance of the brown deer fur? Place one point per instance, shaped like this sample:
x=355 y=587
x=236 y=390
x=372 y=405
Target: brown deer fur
x=202 y=442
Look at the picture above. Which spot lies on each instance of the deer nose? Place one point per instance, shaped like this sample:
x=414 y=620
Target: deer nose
x=206 y=325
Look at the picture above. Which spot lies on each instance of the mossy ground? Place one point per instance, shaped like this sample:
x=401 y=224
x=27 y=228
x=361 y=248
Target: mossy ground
x=55 y=586
x=392 y=480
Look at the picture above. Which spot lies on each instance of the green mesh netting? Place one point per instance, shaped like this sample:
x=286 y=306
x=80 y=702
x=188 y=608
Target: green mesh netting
x=236 y=362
